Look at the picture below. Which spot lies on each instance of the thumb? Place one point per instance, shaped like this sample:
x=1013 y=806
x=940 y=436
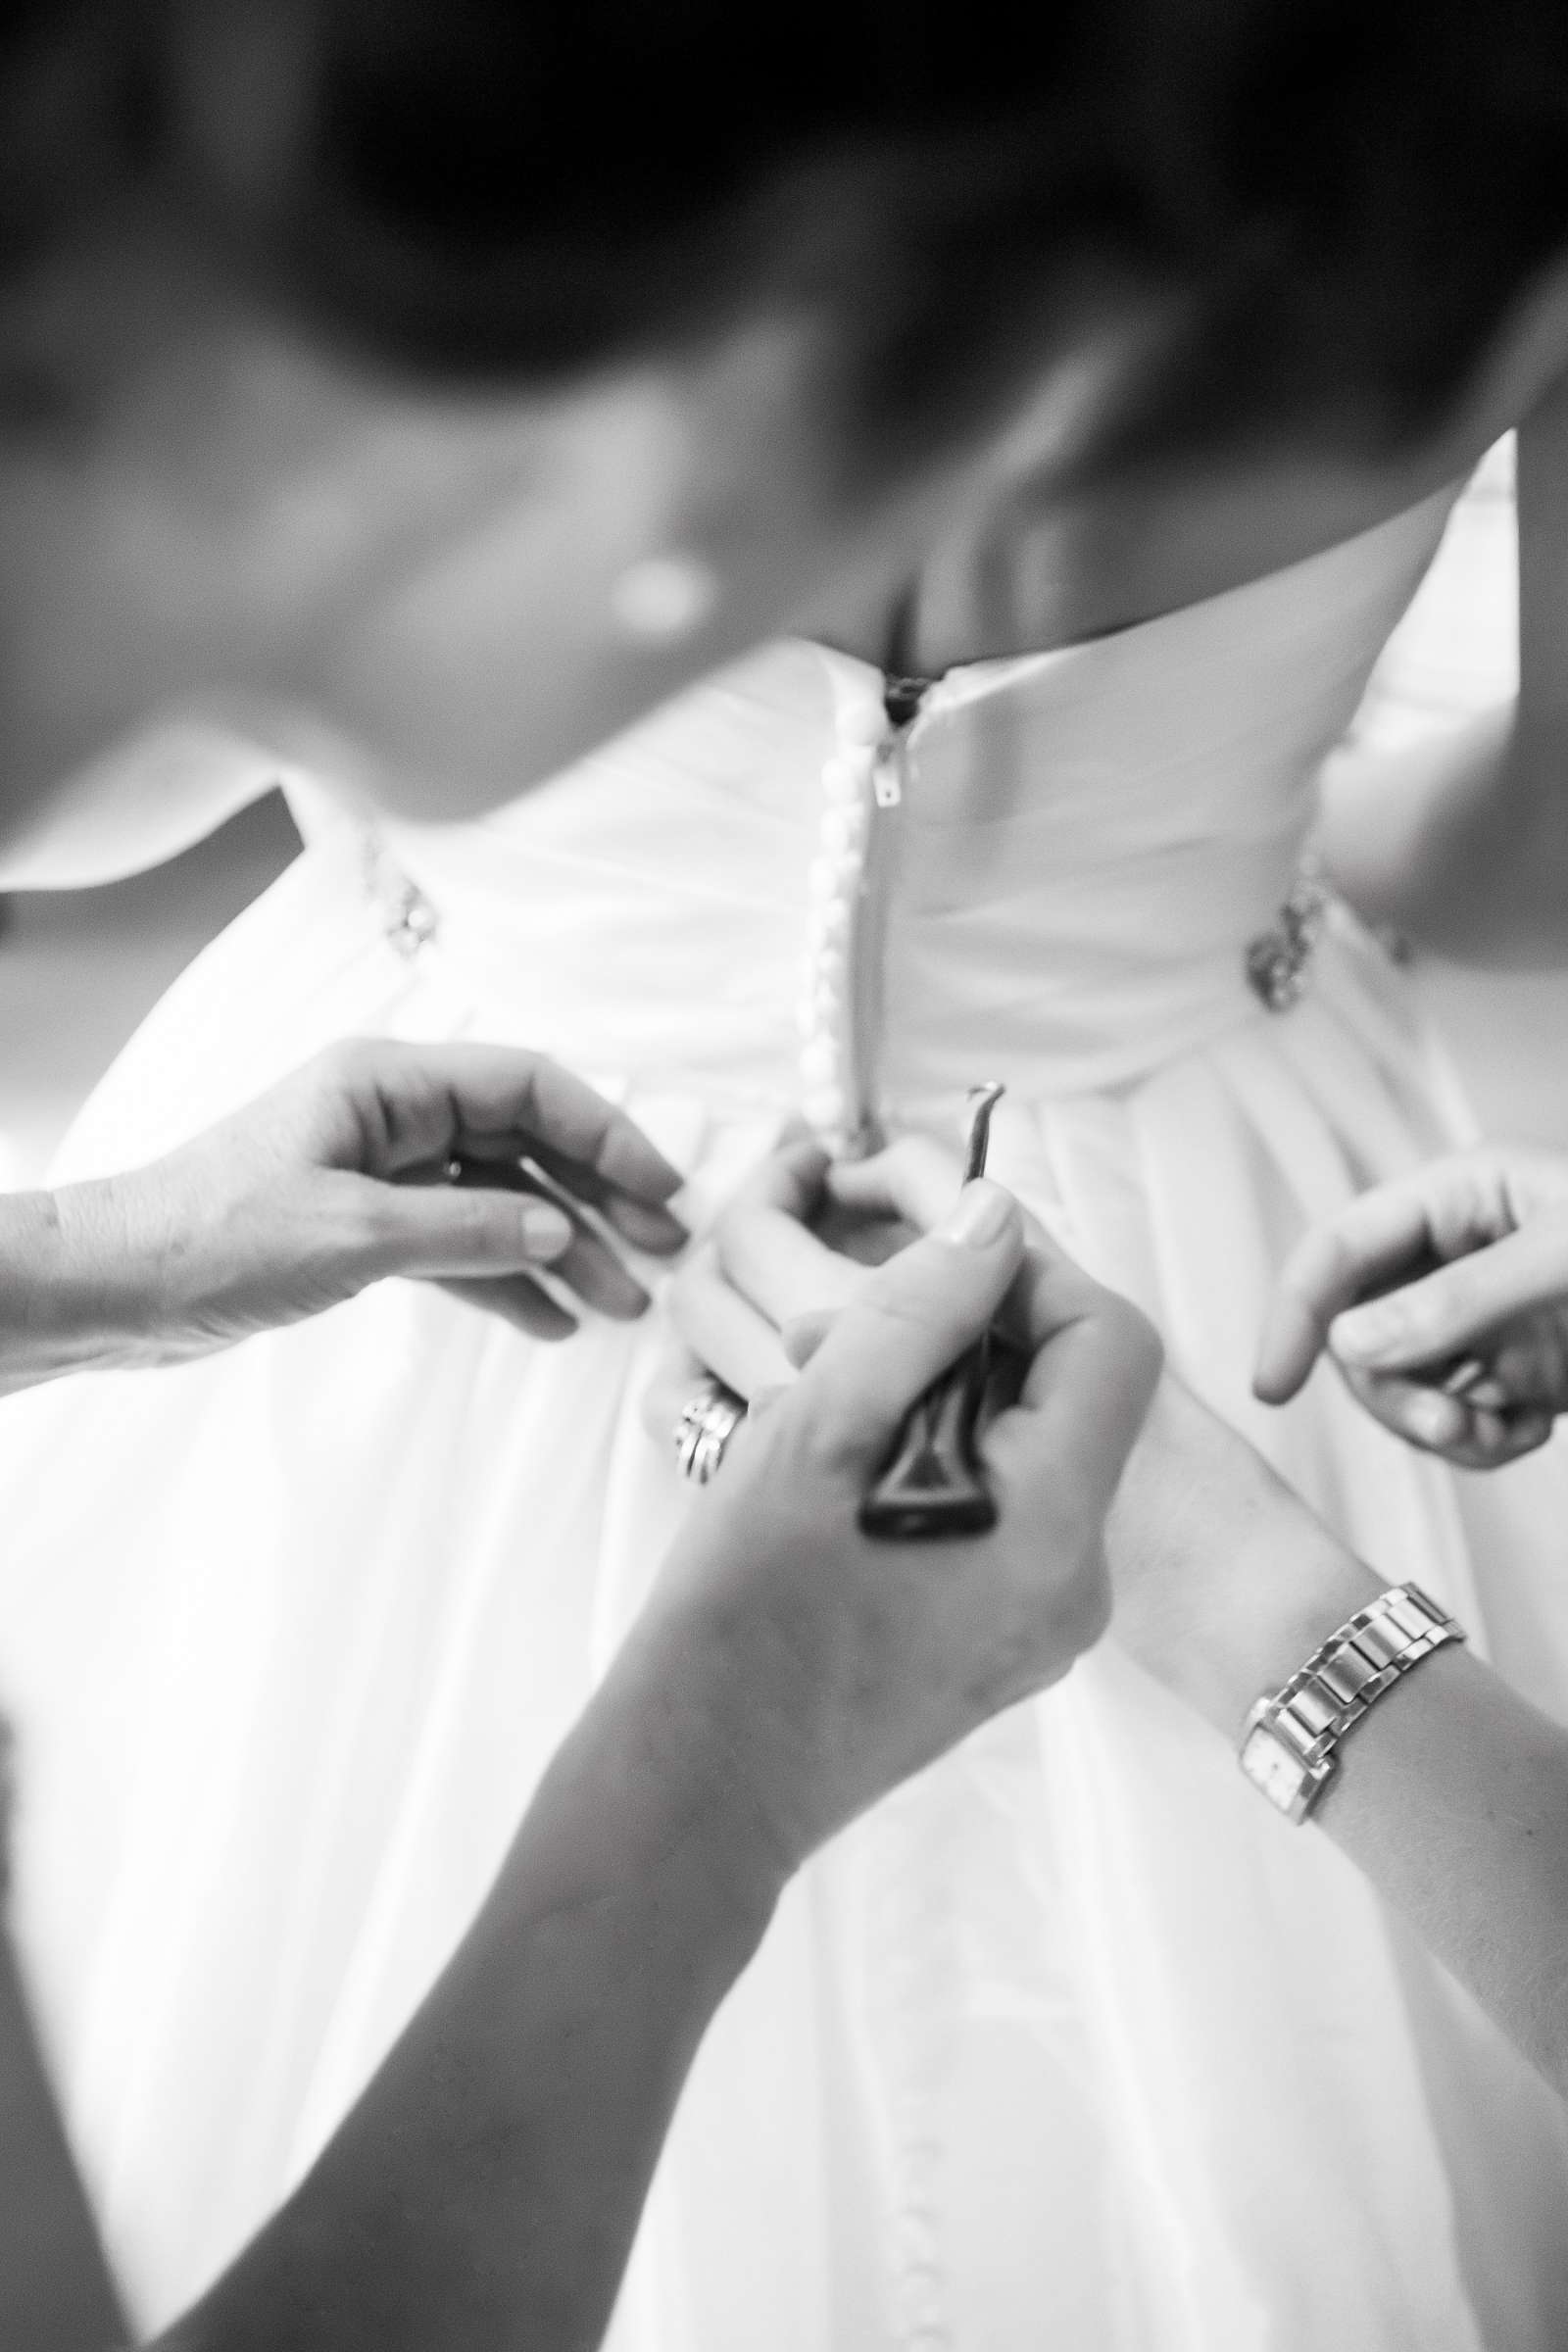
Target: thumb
x=1458 y=1305
x=457 y=1229
x=912 y=1318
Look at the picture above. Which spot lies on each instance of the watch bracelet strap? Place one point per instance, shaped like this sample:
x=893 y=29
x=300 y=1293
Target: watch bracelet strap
x=1348 y=1671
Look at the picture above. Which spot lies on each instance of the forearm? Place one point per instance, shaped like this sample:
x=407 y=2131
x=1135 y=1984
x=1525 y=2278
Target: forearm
x=1452 y=1793
x=78 y=1284
x=485 y=2191
x=1461 y=844
x=1452 y=1798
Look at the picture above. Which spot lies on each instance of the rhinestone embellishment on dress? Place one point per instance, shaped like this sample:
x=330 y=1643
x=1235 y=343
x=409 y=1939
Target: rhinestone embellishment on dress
x=407 y=919
x=1279 y=961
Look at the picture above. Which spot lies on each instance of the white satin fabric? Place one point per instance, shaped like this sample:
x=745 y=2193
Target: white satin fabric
x=1072 y=2043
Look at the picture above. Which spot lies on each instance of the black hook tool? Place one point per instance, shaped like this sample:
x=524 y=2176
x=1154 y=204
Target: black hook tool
x=933 y=1484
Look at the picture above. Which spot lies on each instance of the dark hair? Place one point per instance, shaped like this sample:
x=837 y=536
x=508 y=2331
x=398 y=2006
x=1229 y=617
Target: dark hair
x=1354 y=191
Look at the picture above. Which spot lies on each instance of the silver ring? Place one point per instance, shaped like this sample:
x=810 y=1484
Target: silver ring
x=706 y=1422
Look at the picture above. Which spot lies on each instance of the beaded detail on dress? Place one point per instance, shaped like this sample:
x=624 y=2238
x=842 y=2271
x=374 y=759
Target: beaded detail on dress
x=408 y=918
x=1279 y=961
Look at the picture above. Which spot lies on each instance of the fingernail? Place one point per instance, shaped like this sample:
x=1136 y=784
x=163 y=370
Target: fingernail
x=659 y=1230
x=1365 y=1333
x=1435 y=1419
x=546 y=1229
x=982 y=1217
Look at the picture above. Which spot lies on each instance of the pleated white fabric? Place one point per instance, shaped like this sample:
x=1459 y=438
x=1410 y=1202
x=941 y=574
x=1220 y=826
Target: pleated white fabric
x=1072 y=2042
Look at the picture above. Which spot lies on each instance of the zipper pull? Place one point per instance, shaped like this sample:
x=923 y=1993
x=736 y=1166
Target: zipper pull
x=887 y=771
x=902 y=698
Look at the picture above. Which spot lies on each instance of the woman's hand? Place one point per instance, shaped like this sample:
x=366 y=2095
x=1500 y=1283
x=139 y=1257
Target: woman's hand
x=793 y=1245
x=475 y=1166
x=839 y=1663
x=1442 y=1299
x=1222 y=1578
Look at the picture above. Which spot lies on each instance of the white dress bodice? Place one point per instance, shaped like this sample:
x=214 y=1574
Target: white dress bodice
x=1084 y=843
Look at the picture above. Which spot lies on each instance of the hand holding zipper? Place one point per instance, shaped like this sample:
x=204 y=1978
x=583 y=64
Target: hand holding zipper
x=934 y=1482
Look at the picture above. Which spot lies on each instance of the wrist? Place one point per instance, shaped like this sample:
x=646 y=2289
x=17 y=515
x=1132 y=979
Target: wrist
x=1287 y=1584
x=78 y=1291
x=709 y=1734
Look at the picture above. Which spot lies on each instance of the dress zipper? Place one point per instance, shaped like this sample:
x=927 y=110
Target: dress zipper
x=901 y=700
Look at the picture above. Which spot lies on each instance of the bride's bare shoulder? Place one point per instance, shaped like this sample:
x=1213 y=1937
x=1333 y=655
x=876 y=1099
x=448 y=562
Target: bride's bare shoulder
x=1033 y=578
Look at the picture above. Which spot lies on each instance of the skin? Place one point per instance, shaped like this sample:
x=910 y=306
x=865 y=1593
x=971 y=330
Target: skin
x=1452 y=1793
x=337 y=1178
x=411 y=588
x=1442 y=1299
x=407 y=586
x=1051 y=563
x=1462 y=846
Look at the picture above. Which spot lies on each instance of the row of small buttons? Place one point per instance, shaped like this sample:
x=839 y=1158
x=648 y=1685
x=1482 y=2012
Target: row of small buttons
x=830 y=1085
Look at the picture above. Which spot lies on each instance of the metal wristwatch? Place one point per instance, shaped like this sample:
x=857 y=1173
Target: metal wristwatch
x=1289 y=1748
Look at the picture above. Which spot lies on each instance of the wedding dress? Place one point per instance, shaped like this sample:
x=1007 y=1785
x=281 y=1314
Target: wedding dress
x=1073 y=2043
